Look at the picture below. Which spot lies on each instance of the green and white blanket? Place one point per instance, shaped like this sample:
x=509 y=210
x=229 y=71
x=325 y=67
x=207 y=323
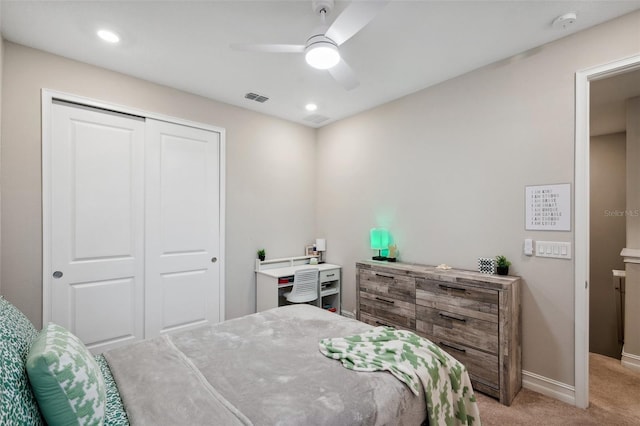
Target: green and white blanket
x=413 y=360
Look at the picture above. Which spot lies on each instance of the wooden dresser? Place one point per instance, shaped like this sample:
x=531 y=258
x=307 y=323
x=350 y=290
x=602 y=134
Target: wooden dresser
x=475 y=317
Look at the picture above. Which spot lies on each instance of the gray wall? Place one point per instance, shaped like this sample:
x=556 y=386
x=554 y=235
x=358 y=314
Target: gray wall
x=632 y=313
x=445 y=170
x=265 y=206
x=607 y=238
x=633 y=172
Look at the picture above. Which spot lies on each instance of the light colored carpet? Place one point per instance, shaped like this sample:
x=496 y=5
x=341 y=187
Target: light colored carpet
x=614 y=396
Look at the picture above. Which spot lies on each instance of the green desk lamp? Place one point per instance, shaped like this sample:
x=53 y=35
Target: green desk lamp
x=379 y=239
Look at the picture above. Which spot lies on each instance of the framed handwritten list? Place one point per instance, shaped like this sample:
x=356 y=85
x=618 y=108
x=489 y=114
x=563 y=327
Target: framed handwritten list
x=548 y=207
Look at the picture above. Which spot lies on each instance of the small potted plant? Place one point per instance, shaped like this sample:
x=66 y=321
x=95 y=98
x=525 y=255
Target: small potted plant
x=502 y=265
x=261 y=254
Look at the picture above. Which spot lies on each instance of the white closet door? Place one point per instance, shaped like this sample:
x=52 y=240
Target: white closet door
x=182 y=227
x=97 y=225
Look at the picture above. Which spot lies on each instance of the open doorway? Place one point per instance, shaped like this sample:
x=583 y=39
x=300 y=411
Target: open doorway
x=609 y=209
x=611 y=380
x=583 y=219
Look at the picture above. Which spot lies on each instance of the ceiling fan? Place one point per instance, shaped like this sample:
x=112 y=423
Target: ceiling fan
x=321 y=48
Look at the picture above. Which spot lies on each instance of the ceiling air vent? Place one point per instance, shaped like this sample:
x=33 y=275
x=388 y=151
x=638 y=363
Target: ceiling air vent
x=316 y=118
x=256 y=97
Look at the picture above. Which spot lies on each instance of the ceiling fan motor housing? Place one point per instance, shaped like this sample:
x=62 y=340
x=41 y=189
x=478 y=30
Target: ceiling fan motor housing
x=320 y=39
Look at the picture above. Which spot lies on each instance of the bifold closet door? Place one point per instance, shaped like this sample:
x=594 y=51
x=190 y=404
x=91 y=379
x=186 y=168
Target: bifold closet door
x=182 y=227
x=96 y=281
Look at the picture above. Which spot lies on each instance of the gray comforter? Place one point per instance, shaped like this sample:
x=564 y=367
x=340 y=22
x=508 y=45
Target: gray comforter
x=262 y=369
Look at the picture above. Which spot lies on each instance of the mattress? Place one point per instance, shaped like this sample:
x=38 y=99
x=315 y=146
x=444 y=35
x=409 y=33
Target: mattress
x=261 y=369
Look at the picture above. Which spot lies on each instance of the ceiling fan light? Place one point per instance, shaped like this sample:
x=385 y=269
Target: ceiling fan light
x=322 y=55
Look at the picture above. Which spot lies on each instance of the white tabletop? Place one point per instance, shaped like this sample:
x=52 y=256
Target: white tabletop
x=288 y=271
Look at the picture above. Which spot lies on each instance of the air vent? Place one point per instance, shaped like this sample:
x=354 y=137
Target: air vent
x=316 y=118
x=256 y=97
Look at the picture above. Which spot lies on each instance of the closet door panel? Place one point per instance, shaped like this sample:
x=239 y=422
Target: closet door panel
x=182 y=223
x=111 y=302
x=183 y=177
x=102 y=202
x=182 y=300
x=96 y=281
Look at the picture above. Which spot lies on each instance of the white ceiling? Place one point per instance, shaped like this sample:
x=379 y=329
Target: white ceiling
x=409 y=46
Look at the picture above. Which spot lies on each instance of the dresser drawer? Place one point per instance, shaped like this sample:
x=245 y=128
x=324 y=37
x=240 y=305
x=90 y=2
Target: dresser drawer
x=330 y=275
x=457 y=328
x=469 y=301
x=396 y=311
x=388 y=285
x=482 y=367
x=377 y=322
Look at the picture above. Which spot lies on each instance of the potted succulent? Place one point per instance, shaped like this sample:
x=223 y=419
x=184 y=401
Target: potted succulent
x=502 y=265
x=261 y=254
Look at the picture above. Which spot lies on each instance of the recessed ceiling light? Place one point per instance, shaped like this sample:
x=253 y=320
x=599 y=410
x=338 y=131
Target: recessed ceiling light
x=108 y=36
x=311 y=107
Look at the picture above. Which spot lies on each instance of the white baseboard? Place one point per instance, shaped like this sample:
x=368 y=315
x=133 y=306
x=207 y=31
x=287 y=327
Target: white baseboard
x=551 y=388
x=630 y=361
x=347 y=314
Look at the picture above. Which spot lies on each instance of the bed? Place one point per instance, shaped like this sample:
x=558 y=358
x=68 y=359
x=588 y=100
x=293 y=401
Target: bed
x=261 y=369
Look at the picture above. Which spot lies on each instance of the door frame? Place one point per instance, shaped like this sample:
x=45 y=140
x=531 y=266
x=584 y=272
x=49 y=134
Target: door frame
x=582 y=221
x=48 y=96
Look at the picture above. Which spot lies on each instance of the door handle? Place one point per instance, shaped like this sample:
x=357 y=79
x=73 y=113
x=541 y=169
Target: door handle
x=454 y=347
x=452 y=317
x=384 y=275
x=57 y=274
x=448 y=287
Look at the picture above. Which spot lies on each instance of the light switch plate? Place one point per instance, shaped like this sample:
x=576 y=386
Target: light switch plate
x=528 y=247
x=555 y=249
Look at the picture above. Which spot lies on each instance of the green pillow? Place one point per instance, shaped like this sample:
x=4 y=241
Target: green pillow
x=18 y=405
x=65 y=379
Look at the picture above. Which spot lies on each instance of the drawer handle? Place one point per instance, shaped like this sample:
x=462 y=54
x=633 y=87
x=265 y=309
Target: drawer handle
x=455 y=348
x=453 y=317
x=391 y=302
x=384 y=276
x=330 y=275
x=448 y=287
x=384 y=324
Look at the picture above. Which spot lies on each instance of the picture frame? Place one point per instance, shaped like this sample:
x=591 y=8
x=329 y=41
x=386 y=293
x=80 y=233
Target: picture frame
x=308 y=251
x=548 y=207
x=486 y=265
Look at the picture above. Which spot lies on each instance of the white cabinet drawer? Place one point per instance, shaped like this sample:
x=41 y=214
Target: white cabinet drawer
x=330 y=275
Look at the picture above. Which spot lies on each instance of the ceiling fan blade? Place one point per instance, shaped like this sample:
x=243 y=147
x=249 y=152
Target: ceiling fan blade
x=270 y=48
x=344 y=75
x=353 y=19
